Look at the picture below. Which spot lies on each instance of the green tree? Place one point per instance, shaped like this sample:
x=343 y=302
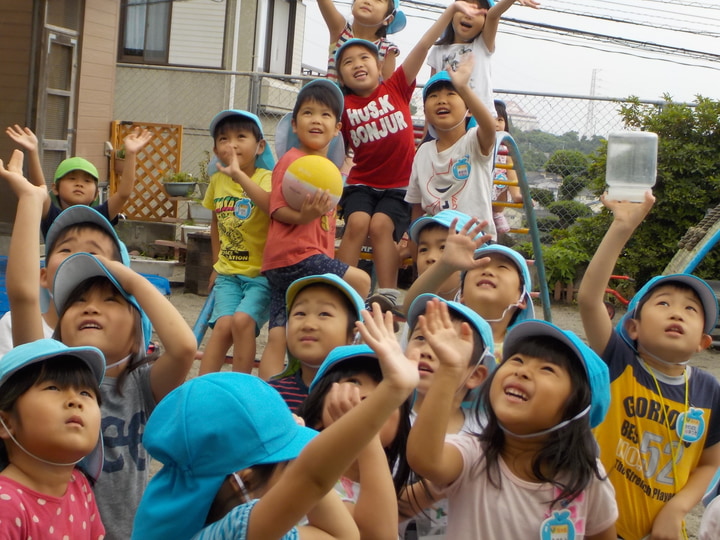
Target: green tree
x=566 y=163
x=544 y=197
x=569 y=211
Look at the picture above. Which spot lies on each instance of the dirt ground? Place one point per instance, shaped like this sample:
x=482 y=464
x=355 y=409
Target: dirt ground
x=565 y=316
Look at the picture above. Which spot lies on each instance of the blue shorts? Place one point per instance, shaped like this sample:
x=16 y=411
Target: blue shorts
x=281 y=278
x=236 y=293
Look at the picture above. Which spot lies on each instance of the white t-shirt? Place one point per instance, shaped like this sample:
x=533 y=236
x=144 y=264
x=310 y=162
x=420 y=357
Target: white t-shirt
x=710 y=524
x=6 y=341
x=443 y=56
x=520 y=509
x=458 y=178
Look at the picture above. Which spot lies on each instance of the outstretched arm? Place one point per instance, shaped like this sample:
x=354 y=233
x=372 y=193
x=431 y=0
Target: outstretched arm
x=326 y=457
x=178 y=341
x=486 y=122
x=134 y=142
x=23 y=270
x=416 y=57
x=28 y=141
x=427 y=452
x=459 y=254
x=492 y=20
x=334 y=20
x=627 y=217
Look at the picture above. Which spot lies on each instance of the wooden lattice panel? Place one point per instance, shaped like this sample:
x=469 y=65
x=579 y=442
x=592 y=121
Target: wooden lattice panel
x=163 y=153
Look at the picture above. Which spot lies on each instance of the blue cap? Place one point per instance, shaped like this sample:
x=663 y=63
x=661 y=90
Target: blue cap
x=45 y=349
x=328 y=279
x=355 y=41
x=440 y=77
x=342 y=354
x=285 y=138
x=204 y=430
x=264 y=160
x=478 y=324
x=444 y=218
x=595 y=369
x=77 y=214
x=81 y=266
x=526 y=280
x=700 y=287
x=399 y=21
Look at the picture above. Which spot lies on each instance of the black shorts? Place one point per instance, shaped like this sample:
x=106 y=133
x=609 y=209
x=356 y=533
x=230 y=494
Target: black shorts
x=390 y=202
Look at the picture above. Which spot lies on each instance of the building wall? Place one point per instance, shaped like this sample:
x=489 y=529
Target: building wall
x=96 y=84
x=15 y=50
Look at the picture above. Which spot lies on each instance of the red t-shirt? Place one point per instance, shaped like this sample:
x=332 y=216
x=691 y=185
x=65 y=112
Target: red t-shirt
x=380 y=131
x=289 y=244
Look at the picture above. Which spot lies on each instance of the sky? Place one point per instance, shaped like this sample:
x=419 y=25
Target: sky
x=559 y=62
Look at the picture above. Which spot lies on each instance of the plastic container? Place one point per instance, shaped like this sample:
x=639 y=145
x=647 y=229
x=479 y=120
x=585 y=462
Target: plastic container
x=631 y=164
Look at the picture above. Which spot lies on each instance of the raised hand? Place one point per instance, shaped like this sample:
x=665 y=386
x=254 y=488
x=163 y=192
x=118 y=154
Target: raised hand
x=460 y=245
x=451 y=345
x=136 y=140
x=630 y=213
x=340 y=399
x=13 y=175
x=23 y=137
x=377 y=332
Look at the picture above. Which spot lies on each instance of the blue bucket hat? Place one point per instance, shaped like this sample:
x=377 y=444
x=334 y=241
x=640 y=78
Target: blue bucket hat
x=595 y=369
x=264 y=160
x=399 y=21
x=77 y=214
x=478 y=324
x=342 y=354
x=484 y=251
x=285 y=138
x=45 y=349
x=700 y=287
x=444 y=218
x=204 y=430
x=81 y=266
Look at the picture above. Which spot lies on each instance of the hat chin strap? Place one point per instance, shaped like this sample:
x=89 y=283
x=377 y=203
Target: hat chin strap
x=561 y=425
x=658 y=359
x=510 y=306
x=455 y=126
x=21 y=447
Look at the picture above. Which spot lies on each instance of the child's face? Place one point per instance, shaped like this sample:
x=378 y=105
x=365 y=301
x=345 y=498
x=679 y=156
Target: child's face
x=431 y=244
x=529 y=394
x=490 y=289
x=59 y=424
x=359 y=70
x=444 y=108
x=317 y=323
x=315 y=126
x=671 y=324
x=76 y=240
x=467 y=28
x=76 y=187
x=371 y=12
x=241 y=142
x=102 y=318
x=366 y=384
x=500 y=123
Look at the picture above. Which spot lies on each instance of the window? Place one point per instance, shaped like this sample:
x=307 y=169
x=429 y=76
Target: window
x=276 y=34
x=144 y=31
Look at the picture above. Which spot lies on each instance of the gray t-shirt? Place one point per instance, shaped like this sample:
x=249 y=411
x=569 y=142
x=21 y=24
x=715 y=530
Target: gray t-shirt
x=126 y=467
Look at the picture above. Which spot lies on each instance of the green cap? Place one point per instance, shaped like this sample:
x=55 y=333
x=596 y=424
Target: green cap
x=76 y=164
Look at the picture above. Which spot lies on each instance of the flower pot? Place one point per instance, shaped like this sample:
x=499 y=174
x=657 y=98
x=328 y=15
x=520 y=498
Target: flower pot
x=179 y=189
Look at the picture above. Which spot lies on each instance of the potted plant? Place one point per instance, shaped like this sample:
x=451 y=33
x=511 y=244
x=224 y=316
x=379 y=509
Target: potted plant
x=204 y=179
x=179 y=184
x=119 y=161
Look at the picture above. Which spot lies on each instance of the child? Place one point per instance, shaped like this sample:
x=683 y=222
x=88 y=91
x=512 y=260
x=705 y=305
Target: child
x=368 y=488
x=239 y=198
x=501 y=174
x=225 y=457
x=50 y=418
x=533 y=471
x=377 y=126
x=302 y=242
x=710 y=523
x=76 y=179
x=659 y=443
x=429 y=234
x=372 y=21
x=495 y=281
x=473 y=34
x=431 y=518
x=322 y=313
x=453 y=171
x=103 y=303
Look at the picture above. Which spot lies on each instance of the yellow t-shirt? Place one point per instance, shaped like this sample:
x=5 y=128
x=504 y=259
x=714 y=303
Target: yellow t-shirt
x=242 y=226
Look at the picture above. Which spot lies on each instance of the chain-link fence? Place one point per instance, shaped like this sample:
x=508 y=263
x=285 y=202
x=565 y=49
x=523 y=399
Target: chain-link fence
x=555 y=133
